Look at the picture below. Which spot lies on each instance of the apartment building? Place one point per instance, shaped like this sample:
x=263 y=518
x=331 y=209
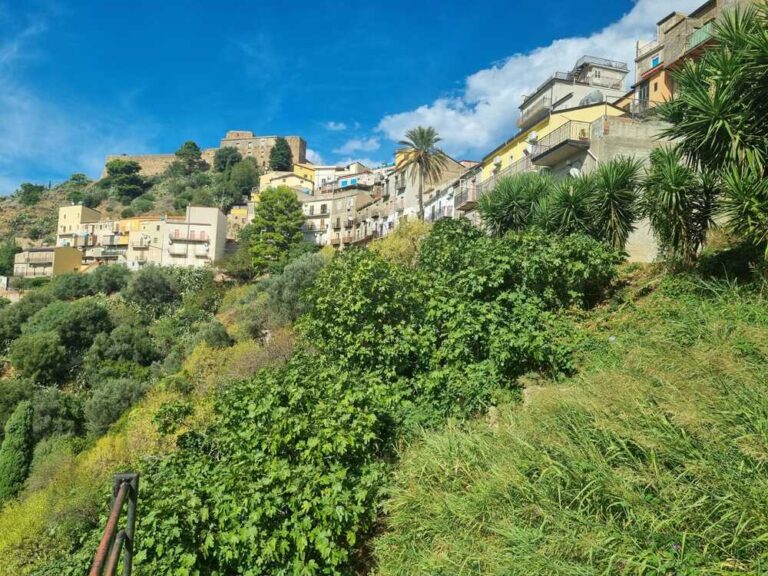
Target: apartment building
x=46 y=261
x=290 y=179
x=678 y=37
x=317 y=214
x=591 y=80
x=325 y=178
x=197 y=238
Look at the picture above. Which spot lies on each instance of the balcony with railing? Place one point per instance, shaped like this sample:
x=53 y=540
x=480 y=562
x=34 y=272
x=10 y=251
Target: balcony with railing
x=700 y=36
x=466 y=196
x=561 y=143
x=190 y=236
x=139 y=244
x=532 y=113
x=35 y=258
x=644 y=48
x=524 y=164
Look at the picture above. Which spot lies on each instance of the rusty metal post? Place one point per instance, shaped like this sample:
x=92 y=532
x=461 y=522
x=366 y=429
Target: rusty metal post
x=109 y=532
x=132 y=480
x=114 y=554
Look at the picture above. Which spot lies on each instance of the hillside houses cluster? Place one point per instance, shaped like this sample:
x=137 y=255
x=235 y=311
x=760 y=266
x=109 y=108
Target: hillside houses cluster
x=573 y=121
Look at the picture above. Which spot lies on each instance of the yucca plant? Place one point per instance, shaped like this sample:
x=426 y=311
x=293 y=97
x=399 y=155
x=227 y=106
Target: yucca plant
x=514 y=202
x=567 y=209
x=616 y=185
x=745 y=203
x=679 y=203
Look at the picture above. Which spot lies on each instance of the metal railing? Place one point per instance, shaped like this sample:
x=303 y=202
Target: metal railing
x=522 y=165
x=114 y=542
x=645 y=48
x=534 y=111
x=700 y=36
x=571 y=130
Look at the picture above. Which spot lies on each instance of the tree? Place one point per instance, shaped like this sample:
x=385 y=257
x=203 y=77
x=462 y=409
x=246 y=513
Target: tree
x=281 y=157
x=40 y=356
x=109 y=279
x=152 y=289
x=245 y=176
x=190 y=157
x=29 y=194
x=12 y=391
x=718 y=118
x=679 y=203
x=109 y=401
x=514 y=202
x=16 y=452
x=8 y=251
x=422 y=159
x=225 y=158
x=124 y=180
x=276 y=227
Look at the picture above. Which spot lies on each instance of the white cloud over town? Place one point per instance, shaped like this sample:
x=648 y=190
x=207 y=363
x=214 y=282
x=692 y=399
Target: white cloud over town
x=359 y=145
x=485 y=111
x=314 y=156
x=335 y=126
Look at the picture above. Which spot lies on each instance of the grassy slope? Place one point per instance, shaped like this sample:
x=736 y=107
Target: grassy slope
x=654 y=460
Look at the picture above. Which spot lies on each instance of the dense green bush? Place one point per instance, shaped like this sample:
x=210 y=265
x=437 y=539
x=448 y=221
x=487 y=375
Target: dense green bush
x=284 y=481
x=108 y=402
x=109 y=279
x=57 y=413
x=287 y=301
x=16 y=451
x=12 y=391
x=152 y=289
x=40 y=356
x=71 y=286
x=125 y=342
x=13 y=317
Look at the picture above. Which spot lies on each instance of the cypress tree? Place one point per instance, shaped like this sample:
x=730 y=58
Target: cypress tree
x=16 y=452
x=281 y=157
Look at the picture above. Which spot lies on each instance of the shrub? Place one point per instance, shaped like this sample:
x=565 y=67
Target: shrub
x=290 y=461
x=286 y=292
x=125 y=342
x=152 y=290
x=71 y=286
x=402 y=245
x=77 y=323
x=109 y=401
x=57 y=413
x=109 y=279
x=41 y=357
x=514 y=202
x=12 y=317
x=12 y=392
x=16 y=452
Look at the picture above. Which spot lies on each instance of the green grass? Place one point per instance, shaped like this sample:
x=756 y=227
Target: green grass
x=654 y=460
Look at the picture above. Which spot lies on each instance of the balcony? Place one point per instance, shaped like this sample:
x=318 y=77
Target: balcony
x=201 y=251
x=466 y=199
x=644 y=48
x=562 y=143
x=178 y=250
x=337 y=224
x=534 y=113
x=32 y=259
x=139 y=244
x=191 y=236
x=522 y=165
x=700 y=36
x=643 y=108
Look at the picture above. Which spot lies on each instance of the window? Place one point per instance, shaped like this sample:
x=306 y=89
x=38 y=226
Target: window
x=157 y=229
x=192 y=235
x=655 y=61
x=311 y=210
x=642 y=92
x=323 y=208
x=655 y=86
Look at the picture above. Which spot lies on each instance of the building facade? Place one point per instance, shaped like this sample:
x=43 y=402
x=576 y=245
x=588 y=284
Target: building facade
x=259 y=147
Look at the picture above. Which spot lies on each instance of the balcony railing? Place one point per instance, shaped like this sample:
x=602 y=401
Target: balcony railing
x=644 y=48
x=176 y=235
x=139 y=244
x=467 y=196
x=524 y=164
x=700 y=36
x=570 y=131
x=201 y=251
x=536 y=111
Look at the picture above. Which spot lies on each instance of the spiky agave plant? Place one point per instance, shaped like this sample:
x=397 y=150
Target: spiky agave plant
x=514 y=202
x=567 y=209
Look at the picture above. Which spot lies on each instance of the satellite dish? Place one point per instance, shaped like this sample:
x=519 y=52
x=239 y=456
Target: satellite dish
x=594 y=97
x=533 y=136
x=497 y=160
x=574 y=172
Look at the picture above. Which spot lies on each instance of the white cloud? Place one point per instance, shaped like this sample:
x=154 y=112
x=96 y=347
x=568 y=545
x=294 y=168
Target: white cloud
x=335 y=126
x=40 y=140
x=485 y=111
x=359 y=145
x=369 y=162
x=315 y=157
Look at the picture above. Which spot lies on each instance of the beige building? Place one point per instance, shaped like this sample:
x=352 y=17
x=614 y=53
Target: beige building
x=290 y=179
x=47 y=261
x=259 y=147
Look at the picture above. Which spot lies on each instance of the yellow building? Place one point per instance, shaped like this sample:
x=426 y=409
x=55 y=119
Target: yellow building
x=275 y=179
x=546 y=143
x=47 y=261
x=306 y=171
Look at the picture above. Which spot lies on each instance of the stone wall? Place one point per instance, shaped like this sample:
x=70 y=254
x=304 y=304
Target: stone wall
x=151 y=164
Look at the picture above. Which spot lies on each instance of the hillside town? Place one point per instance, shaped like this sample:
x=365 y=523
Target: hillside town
x=579 y=117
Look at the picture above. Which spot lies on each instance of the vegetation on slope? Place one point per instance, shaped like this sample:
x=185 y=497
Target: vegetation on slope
x=651 y=461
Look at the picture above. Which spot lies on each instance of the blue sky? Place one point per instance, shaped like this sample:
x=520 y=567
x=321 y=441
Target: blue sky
x=82 y=79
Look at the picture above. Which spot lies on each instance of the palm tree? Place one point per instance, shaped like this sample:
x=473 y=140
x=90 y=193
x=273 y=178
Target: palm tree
x=567 y=209
x=422 y=159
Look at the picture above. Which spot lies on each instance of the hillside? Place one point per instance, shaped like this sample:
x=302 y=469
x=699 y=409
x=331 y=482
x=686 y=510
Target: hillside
x=652 y=460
